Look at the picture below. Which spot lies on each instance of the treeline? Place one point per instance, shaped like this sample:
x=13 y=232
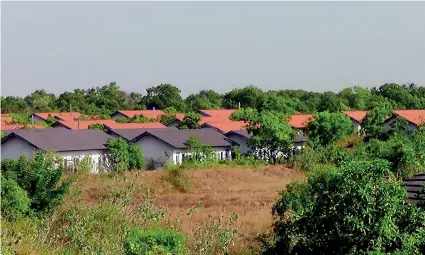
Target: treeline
x=109 y=98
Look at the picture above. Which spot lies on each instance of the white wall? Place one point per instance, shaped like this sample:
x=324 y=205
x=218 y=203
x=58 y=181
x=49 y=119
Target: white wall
x=14 y=147
x=98 y=159
x=154 y=148
x=243 y=143
x=356 y=126
x=221 y=153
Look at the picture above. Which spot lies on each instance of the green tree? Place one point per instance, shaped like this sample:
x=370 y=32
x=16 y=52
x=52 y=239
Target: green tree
x=124 y=156
x=245 y=114
x=41 y=101
x=272 y=136
x=273 y=102
x=40 y=178
x=327 y=128
x=163 y=96
x=13 y=104
x=373 y=124
x=205 y=99
x=359 y=209
x=249 y=96
x=199 y=151
x=101 y=127
x=329 y=101
x=168 y=116
x=190 y=121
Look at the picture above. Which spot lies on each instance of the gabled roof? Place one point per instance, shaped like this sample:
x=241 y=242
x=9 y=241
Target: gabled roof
x=416 y=117
x=225 y=126
x=180 y=116
x=130 y=134
x=244 y=133
x=62 y=139
x=146 y=113
x=146 y=125
x=299 y=120
x=177 y=138
x=218 y=113
x=414 y=186
x=356 y=115
x=66 y=116
x=83 y=124
x=20 y=126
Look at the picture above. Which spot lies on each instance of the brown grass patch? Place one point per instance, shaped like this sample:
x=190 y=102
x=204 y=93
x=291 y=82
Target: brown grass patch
x=247 y=192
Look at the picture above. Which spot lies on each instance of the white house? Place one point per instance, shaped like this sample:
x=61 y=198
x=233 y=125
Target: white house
x=70 y=145
x=356 y=118
x=414 y=118
x=169 y=145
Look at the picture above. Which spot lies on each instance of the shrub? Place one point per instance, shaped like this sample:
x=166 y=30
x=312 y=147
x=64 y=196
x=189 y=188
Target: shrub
x=13 y=198
x=178 y=177
x=40 y=178
x=124 y=156
x=359 y=209
x=154 y=241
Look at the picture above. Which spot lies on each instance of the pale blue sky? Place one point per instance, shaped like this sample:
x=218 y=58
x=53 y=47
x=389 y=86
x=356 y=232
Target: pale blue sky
x=315 y=46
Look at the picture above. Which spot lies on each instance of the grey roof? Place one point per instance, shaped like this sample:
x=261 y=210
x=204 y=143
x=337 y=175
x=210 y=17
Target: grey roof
x=130 y=134
x=61 y=139
x=413 y=186
x=177 y=138
x=244 y=133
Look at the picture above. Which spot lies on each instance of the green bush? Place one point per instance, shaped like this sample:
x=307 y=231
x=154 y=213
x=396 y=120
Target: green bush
x=13 y=198
x=124 y=156
x=154 y=241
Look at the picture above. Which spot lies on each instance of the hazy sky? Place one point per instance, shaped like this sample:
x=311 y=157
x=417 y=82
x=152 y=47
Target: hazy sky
x=317 y=46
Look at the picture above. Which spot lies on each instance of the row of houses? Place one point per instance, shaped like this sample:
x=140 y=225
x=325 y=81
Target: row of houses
x=166 y=145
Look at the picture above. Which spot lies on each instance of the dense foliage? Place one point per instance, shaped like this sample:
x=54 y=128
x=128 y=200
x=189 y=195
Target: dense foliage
x=109 y=98
x=123 y=155
x=359 y=209
x=37 y=180
x=326 y=128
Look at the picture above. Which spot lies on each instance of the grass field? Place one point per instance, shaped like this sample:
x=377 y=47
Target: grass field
x=248 y=192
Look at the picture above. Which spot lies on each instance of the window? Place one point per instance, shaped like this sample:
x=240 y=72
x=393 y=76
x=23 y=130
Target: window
x=223 y=155
x=177 y=158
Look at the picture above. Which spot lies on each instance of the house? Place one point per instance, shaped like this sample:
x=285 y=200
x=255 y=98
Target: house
x=64 y=116
x=71 y=145
x=224 y=126
x=356 y=118
x=206 y=116
x=241 y=137
x=81 y=124
x=414 y=187
x=131 y=113
x=299 y=122
x=169 y=145
x=130 y=133
x=147 y=125
x=414 y=118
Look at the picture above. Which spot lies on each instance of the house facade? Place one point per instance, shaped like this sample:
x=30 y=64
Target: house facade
x=169 y=145
x=69 y=146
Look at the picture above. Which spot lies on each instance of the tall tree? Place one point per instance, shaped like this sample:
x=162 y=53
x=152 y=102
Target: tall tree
x=327 y=128
x=249 y=96
x=163 y=96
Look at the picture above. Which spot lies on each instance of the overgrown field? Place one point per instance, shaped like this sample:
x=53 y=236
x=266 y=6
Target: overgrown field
x=216 y=206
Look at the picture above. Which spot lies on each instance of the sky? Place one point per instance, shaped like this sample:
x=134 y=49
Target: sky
x=317 y=46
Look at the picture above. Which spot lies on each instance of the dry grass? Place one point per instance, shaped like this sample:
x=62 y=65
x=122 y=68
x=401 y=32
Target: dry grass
x=247 y=192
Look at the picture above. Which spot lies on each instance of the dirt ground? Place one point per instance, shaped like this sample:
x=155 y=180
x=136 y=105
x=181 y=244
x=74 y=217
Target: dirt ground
x=248 y=192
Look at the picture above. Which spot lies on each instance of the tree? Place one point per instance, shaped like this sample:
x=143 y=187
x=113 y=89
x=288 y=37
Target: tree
x=359 y=209
x=272 y=136
x=273 y=102
x=329 y=101
x=12 y=104
x=245 y=114
x=190 y=121
x=205 y=99
x=163 y=96
x=327 y=128
x=101 y=127
x=124 y=156
x=373 y=124
x=249 y=96
x=40 y=179
x=13 y=198
x=41 y=101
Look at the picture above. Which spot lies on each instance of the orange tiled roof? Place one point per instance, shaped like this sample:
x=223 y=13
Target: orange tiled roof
x=6 y=118
x=414 y=116
x=219 y=113
x=356 y=115
x=19 y=126
x=65 y=116
x=226 y=126
x=117 y=125
x=299 y=120
x=84 y=124
x=146 y=113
